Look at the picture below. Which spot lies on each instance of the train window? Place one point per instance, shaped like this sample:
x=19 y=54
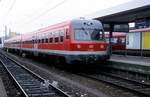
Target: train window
x=61 y=36
x=42 y=40
x=35 y=41
x=39 y=41
x=67 y=34
x=56 y=39
x=46 y=40
x=51 y=40
x=86 y=34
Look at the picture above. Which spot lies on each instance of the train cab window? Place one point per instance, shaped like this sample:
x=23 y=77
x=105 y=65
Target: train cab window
x=88 y=34
x=67 y=34
x=51 y=39
x=56 y=36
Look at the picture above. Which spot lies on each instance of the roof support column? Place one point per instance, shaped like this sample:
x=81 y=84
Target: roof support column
x=110 y=37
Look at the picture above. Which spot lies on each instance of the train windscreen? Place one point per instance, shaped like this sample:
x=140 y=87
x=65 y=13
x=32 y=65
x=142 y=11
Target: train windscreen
x=88 y=34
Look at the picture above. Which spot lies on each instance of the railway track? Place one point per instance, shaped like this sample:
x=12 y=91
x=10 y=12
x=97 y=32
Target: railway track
x=123 y=82
x=30 y=84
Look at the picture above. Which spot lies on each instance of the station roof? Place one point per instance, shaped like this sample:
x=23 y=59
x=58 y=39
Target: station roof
x=124 y=13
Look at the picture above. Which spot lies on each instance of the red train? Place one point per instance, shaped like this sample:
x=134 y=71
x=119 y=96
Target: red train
x=118 y=40
x=76 y=40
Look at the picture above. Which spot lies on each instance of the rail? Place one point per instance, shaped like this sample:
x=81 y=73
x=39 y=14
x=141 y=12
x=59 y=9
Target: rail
x=30 y=83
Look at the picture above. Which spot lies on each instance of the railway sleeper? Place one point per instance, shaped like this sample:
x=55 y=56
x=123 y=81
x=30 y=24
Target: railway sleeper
x=40 y=95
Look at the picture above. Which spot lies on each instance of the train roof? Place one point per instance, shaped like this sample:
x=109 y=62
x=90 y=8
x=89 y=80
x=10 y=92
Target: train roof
x=30 y=36
x=74 y=22
x=13 y=39
x=54 y=26
x=78 y=23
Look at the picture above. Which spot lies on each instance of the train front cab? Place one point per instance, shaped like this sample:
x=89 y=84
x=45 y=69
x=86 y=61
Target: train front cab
x=87 y=43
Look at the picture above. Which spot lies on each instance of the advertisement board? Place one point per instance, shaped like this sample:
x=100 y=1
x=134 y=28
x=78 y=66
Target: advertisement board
x=133 y=40
x=146 y=40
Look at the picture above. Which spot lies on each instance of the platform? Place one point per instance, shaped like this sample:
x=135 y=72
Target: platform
x=2 y=89
x=130 y=63
x=138 y=60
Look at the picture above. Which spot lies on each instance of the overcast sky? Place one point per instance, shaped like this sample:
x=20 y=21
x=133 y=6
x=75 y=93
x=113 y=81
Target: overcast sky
x=29 y=15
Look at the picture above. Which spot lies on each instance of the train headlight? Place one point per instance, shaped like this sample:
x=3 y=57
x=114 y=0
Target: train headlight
x=101 y=46
x=78 y=46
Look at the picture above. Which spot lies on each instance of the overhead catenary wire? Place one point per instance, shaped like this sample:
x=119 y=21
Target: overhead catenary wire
x=9 y=10
x=46 y=11
x=36 y=11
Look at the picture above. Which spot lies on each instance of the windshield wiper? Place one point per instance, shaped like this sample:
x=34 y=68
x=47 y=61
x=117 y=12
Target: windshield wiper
x=84 y=31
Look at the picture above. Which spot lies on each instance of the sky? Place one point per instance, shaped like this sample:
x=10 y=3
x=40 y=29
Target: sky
x=24 y=16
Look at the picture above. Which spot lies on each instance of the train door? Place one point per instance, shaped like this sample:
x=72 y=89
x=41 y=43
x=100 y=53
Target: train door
x=67 y=38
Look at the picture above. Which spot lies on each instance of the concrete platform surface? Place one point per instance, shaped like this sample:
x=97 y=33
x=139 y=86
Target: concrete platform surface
x=2 y=89
x=138 y=60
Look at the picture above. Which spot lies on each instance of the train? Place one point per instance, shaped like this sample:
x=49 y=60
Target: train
x=77 y=40
x=136 y=42
x=118 y=40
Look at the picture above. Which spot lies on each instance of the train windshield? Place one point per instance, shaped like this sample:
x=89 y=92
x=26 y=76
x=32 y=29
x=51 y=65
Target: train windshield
x=88 y=34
